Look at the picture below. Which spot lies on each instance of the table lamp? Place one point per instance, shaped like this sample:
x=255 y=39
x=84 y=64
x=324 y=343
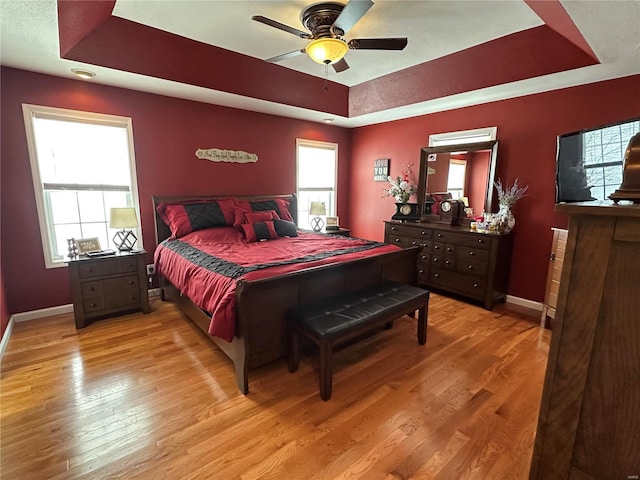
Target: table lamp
x=124 y=218
x=317 y=209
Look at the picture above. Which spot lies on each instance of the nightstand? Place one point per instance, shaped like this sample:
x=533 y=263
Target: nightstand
x=109 y=285
x=345 y=232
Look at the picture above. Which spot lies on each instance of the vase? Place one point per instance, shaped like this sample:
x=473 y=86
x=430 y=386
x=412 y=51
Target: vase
x=506 y=218
x=402 y=198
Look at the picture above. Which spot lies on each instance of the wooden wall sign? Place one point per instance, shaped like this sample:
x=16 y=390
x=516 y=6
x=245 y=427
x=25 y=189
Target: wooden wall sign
x=219 y=155
x=381 y=170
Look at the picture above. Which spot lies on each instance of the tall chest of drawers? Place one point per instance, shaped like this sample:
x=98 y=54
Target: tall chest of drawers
x=109 y=285
x=457 y=260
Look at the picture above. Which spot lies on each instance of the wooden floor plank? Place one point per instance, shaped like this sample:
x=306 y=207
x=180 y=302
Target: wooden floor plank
x=148 y=396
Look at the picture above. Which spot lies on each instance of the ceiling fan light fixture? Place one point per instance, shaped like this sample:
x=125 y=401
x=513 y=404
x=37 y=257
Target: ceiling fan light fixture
x=327 y=50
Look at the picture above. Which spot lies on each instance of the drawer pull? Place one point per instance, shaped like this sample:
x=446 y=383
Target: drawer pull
x=436 y=275
x=420 y=271
x=481 y=240
x=447 y=262
x=475 y=285
x=472 y=253
x=397 y=240
x=424 y=257
x=94 y=305
x=470 y=267
x=436 y=247
x=393 y=229
x=414 y=243
x=131 y=282
x=423 y=232
x=439 y=235
x=91 y=289
x=449 y=249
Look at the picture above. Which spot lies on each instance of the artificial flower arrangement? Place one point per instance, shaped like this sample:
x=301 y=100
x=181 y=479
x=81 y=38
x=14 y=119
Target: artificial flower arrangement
x=508 y=197
x=401 y=187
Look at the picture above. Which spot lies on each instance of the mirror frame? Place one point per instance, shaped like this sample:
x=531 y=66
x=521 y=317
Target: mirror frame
x=426 y=151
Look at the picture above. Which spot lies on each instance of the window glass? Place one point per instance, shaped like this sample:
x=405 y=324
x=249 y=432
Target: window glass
x=317 y=164
x=82 y=165
x=603 y=156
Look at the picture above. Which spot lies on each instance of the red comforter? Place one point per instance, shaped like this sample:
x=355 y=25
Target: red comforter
x=207 y=264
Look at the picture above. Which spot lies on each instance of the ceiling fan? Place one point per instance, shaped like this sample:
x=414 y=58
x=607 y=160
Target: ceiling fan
x=327 y=22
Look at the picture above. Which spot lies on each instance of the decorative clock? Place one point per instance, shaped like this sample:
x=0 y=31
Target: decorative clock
x=406 y=212
x=451 y=211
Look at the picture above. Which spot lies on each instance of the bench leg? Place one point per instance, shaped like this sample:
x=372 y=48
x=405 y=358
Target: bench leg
x=422 y=325
x=294 y=354
x=326 y=370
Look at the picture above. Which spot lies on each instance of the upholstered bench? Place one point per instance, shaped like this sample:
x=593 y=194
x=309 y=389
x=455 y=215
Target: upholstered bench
x=341 y=318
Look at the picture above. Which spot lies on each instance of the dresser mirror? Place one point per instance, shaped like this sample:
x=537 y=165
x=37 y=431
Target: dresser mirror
x=463 y=171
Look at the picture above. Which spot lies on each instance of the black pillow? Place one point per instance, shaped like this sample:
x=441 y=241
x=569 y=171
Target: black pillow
x=285 y=228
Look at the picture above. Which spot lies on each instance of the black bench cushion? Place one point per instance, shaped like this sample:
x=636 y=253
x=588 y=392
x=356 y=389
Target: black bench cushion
x=338 y=315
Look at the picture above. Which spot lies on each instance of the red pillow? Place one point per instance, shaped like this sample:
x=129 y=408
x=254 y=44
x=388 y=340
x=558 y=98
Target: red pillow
x=188 y=216
x=255 y=232
x=243 y=216
x=280 y=205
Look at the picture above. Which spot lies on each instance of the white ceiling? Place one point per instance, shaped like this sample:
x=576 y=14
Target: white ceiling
x=29 y=40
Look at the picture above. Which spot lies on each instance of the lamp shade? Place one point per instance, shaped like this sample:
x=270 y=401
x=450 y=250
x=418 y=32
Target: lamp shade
x=123 y=218
x=327 y=50
x=317 y=208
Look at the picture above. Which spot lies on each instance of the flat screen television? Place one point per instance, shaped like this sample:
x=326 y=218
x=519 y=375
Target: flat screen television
x=589 y=162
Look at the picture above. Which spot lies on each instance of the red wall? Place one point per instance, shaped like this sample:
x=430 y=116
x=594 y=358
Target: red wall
x=167 y=132
x=527 y=131
x=4 y=309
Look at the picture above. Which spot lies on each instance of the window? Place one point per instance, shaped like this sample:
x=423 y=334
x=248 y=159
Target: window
x=603 y=155
x=457 y=178
x=82 y=165
x=317 y=165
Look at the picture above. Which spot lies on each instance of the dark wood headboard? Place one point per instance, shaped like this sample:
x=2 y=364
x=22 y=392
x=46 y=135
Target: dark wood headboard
x=163 y=232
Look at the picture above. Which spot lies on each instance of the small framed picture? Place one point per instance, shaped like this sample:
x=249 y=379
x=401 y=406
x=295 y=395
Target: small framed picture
x=332 y=223
x=86 y=245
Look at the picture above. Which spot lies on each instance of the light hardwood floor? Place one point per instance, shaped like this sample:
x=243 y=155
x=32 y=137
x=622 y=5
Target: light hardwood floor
x=148 y=396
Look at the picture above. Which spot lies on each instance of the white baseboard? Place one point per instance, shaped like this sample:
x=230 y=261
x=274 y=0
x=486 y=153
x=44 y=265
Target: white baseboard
x=5 y=337
x=42 y=313
x=523 y=302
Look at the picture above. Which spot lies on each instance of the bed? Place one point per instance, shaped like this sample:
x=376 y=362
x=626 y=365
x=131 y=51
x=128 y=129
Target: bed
x=261 y=295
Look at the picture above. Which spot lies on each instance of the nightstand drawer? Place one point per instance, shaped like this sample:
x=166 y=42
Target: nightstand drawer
x=106 y=266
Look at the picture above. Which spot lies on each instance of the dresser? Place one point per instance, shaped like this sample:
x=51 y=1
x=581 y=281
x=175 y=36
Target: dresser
x=554 y=272
x=589 y=422
x=109 y=285
x=457 y=260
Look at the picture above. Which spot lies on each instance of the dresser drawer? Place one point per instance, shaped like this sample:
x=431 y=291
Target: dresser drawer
x=471 y=253
x=478 y=240
x=457 y=283
x=469 y=267
x=408 y=231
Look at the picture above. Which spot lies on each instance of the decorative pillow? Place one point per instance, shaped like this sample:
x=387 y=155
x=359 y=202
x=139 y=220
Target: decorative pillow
x=188 y=216
x=243 y=216
x=280 y=205
x=285 y=228
x=255 y=232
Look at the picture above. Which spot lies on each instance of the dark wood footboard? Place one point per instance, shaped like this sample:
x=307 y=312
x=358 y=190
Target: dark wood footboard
x=261 y=331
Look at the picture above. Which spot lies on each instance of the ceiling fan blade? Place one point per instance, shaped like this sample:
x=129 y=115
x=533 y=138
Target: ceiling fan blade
x=378 y=43
x=340 y=66
x=349 y=16
x=281 y=26
x=284 y=56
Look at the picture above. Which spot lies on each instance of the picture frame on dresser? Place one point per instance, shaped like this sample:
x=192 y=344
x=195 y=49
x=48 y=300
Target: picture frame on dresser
x=86 y=245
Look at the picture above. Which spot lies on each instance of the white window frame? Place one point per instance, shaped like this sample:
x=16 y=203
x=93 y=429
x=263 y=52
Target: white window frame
x=332 y=207
x=32 y=111
x=477 y=135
